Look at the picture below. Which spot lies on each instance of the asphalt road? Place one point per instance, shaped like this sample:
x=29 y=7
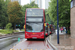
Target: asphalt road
x=9 y=42
x=32 y=45
x=12 y=43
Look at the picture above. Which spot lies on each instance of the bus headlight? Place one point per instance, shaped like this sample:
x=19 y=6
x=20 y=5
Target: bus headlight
x=42 y=34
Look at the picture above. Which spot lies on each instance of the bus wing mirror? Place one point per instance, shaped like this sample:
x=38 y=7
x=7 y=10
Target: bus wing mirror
x=44 y=24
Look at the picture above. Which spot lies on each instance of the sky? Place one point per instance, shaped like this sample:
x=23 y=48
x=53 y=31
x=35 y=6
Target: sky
x=23 y=2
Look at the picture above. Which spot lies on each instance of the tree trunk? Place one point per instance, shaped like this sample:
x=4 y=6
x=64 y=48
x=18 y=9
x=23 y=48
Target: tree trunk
x=3 y=27
x=14 y=26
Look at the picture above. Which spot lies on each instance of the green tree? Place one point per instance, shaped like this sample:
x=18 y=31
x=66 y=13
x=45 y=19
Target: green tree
x=3 y=13
x=8 y=26
x=14 y=13
x=33 y=5
x=47 y=18
x=64 y=12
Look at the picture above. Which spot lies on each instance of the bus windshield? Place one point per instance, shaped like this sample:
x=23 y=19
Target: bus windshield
x=35 y=12
x=34 y=27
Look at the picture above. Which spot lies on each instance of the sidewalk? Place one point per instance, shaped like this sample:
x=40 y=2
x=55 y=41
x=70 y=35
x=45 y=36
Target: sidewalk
x=65 y=42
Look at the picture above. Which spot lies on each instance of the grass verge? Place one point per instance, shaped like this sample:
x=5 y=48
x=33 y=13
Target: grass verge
x=22 y=29
x=7 y=31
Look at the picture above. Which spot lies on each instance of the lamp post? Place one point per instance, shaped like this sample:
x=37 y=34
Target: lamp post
x=57 y=24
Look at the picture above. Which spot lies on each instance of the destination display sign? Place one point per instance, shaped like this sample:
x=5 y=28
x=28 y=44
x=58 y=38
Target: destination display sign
x=34 y=19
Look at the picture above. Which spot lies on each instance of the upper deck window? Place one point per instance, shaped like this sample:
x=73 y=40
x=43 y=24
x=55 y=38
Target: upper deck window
x=35 y=12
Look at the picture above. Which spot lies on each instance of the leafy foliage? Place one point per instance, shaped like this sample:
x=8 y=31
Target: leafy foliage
x=8 y=26
x=14 y=12
x=3 y=13
x=6 y=31
x=48 y=19
x=64 y=12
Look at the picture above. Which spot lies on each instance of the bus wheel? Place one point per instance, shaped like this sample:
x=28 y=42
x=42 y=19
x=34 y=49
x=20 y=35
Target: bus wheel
x=28 y=39
x=44 y=37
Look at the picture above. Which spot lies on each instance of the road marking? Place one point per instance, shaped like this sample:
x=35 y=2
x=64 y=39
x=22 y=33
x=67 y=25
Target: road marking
x=35 y=49
x=20 y=49
x=10 y=49
x=30 y=49
x=27 y=49
x=17 y=49
x=19 y=43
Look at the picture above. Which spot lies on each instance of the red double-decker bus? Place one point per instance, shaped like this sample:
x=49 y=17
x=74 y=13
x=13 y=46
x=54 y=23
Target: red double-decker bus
x=35 y=23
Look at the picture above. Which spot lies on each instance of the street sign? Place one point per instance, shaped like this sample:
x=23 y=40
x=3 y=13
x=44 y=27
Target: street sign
x=19 y=25
x=16 y=25
x=49 y=22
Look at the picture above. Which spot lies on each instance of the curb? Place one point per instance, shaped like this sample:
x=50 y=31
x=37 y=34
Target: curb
x=51 y=44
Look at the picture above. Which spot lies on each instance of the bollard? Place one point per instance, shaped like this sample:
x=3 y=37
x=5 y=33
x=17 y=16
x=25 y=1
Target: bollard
x=18 y=39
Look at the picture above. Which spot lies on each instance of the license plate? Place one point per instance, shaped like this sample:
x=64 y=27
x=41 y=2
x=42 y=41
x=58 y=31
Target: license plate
x=34 y=37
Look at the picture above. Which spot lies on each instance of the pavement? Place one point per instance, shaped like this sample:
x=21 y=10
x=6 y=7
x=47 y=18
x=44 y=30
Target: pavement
x=66 y=42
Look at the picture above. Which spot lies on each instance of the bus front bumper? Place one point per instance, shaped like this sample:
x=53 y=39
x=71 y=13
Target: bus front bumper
x=34 y=37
